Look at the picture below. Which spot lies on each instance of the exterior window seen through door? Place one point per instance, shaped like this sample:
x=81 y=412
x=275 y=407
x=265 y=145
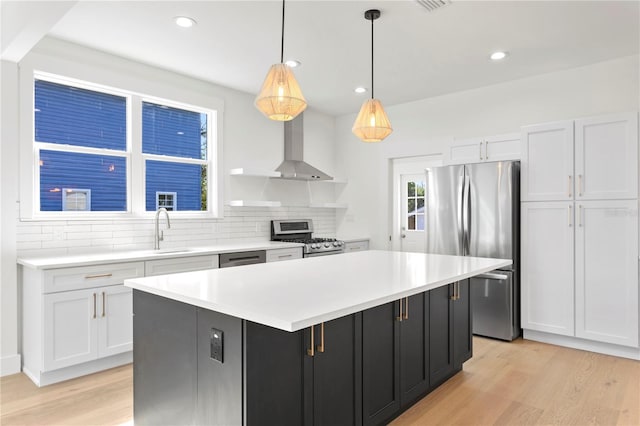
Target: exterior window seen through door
x=415 y=205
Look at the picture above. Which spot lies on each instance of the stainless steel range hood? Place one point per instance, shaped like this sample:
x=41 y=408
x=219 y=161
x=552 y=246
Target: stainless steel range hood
x=293 y=166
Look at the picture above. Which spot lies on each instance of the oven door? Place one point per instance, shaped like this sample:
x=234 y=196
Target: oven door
x=323 y=253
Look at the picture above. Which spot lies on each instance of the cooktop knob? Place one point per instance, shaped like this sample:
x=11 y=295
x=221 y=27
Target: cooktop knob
x=335 y=244
x=327 y=245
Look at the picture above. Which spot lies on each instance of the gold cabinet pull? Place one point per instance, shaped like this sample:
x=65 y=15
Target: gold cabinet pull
x=406 y=308
x=399 y=318
x=569 y=217
x=311 y=350
x=480 y=148
x=580 y=215
x=320 y=347
x=579 y=185
x=569 y=187
x=104 y=297
x=90 y=277
x=486 y=150
x=94 y=305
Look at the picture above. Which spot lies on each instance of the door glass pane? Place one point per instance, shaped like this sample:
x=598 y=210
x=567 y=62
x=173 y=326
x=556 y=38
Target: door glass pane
x=420 y=222
x=420 y=188
x=411 y=205
x=411 y=189
x=420 y=204
x=411 y=222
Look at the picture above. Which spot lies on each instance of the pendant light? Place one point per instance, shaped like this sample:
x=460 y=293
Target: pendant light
x=280 y=98
x=372 y=123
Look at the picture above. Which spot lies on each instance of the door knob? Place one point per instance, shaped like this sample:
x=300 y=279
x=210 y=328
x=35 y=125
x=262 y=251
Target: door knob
x=404 y=236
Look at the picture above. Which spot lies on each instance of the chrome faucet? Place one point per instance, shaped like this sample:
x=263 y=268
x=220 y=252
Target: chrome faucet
x=159 y=233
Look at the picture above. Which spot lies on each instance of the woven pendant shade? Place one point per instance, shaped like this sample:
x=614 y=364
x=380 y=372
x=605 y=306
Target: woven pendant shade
x=280 y=98
x=372 y=123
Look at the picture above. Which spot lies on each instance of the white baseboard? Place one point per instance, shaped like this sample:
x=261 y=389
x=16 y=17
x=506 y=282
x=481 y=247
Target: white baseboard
x=10 y=365
x=582 y=344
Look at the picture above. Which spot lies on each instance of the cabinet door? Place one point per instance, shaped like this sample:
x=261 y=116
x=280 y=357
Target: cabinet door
x=607 y=271
x=414 y=349
x=337 y=373
x=356 y=246
x=275 y=389
x=70 y=328
x=465 y=151
x=441 y=360
x=607 y=157
x=547 y=274
x=380 y=363
x=547 y=162
x=462 y=343
x=279 y=255
x=115 y=325
x=180 y=264
x=502 y=147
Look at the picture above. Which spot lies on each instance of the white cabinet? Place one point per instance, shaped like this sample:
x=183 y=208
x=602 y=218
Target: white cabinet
x=84 y=325
x=180 y=264
x=278 y=255
x=479 y=150
x=601 y=164
x=547 y=278
x=356 y=245
x=606 y=157
x=607 y=271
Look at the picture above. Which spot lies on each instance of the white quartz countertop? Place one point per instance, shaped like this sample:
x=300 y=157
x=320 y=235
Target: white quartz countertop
x=66 y=261
x=296 y=294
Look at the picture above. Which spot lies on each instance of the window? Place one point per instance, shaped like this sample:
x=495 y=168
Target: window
x=90 y=158
x=166 y=200
x=415 y=205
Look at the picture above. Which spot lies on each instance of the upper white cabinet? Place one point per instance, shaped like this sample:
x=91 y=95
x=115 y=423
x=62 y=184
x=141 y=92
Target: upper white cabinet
x=606 y=157
x=546 y=168
x=600 y=162
x=606 y=254
x=478 y=150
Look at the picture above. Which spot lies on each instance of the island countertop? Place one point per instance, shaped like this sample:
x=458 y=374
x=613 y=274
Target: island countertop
x=299 y=293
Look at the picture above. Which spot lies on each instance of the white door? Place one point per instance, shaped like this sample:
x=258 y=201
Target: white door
x=70 y=328
x=502 y=147
x=116 y=320
x=413 y=237
x=408 y=180
x=547 y=275
x=546 y=169
x=606 y=158
x=607 y=271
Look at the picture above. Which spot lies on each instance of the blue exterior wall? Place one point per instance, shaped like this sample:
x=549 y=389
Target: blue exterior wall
x=173 y=177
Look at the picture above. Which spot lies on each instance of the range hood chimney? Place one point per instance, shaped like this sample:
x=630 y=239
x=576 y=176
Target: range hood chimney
x=293 y=166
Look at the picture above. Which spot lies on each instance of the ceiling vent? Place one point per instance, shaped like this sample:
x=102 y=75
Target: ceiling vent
x=432 y=5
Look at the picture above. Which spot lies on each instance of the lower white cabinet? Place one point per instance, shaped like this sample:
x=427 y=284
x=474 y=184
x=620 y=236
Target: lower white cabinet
x=84 y=325
x=356 y=245
x=180 y=264
x=607 y=271
x=583 y=255
x=278 y=255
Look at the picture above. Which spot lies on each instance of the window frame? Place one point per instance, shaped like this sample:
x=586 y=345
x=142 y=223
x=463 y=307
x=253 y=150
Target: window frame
x=43 y=67
x=174 y=199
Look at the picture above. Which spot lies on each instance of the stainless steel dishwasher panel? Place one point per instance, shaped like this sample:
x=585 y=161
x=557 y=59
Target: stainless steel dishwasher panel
x=228 y=260
x=494 y=305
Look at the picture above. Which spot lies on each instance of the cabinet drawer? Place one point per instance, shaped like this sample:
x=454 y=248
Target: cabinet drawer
x=77 y=278
x=284 y=254
x=180 y=264
x=356 y=246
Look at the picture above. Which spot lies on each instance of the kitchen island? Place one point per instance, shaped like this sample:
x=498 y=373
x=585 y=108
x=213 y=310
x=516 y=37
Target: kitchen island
x=348 y=339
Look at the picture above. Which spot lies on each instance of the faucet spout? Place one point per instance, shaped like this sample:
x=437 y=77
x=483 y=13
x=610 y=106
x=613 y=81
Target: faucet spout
x=159 y=234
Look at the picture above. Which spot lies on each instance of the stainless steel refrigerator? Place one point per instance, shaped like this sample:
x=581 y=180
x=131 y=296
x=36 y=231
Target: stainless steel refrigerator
x=474 y=210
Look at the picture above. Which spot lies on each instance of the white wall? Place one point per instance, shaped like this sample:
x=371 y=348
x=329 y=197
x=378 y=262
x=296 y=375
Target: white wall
x=249 y=140
x=425 y=126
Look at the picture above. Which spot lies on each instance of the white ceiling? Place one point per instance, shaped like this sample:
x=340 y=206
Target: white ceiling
x=418 y=54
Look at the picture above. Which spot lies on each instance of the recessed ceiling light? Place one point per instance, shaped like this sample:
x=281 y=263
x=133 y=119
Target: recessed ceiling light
x=293 y=63
x=184 y=21
x=496 y=56
x=360 y=89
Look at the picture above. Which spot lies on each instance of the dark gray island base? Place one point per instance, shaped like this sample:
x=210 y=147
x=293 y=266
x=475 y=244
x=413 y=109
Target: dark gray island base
x=364 y=369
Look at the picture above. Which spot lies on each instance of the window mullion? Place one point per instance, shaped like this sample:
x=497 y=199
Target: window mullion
x=137 y=181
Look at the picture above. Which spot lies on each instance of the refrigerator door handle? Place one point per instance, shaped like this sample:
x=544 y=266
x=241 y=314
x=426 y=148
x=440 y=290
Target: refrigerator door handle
x=466 y=215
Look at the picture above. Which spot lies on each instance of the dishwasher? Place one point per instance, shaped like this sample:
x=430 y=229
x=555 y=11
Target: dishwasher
x=228 y=260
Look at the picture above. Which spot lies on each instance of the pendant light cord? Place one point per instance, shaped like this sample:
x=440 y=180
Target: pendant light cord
x=282 y=38
x=372 y=97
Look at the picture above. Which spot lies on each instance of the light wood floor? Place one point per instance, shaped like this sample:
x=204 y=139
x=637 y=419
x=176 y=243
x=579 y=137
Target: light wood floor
x=519 y=383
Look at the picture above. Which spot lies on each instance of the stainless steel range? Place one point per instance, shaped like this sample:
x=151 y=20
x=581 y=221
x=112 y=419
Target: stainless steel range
x=300 y=231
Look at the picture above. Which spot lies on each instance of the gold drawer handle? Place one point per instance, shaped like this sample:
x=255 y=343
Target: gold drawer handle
x=104 y=298
x=311 y=350
x=320 y=347
x=90 y=277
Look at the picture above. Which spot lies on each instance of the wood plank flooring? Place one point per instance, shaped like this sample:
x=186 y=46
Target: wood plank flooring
x=518 y=383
